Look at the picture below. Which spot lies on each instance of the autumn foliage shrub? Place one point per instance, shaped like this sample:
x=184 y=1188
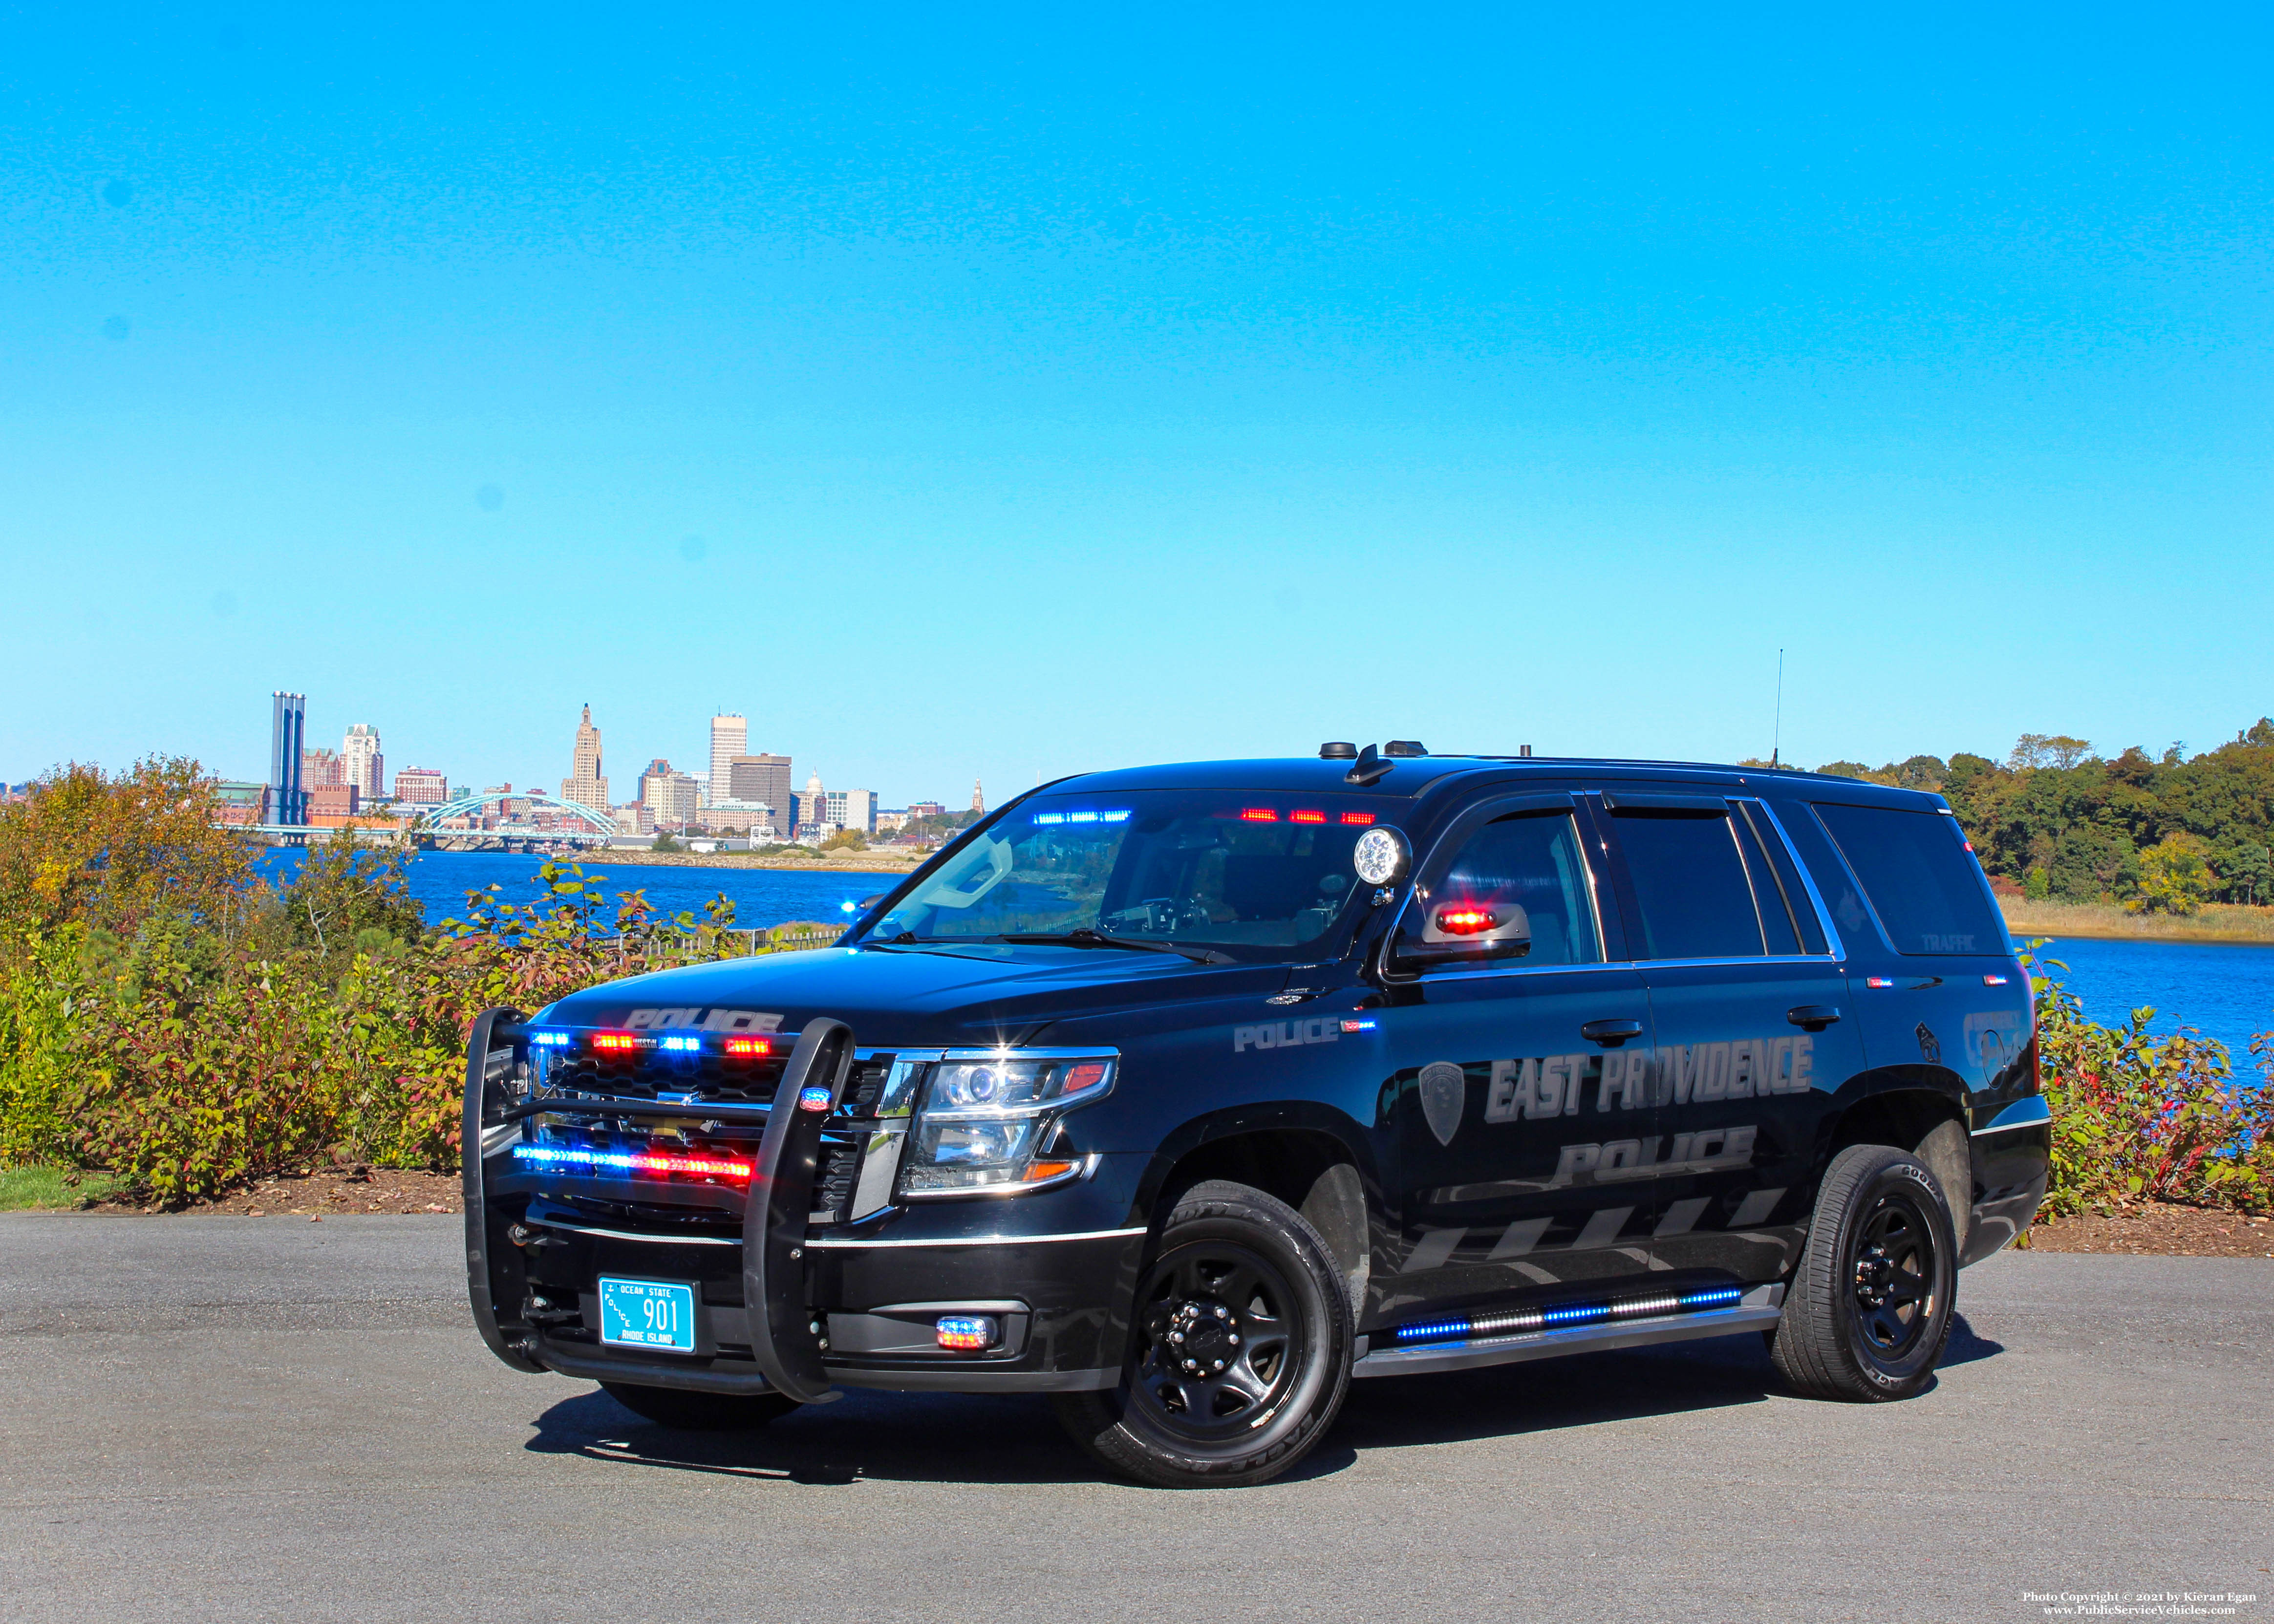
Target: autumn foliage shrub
x=2140 y=1117
x=189 y=1032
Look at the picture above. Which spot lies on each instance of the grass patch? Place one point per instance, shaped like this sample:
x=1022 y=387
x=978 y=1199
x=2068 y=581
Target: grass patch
x=2214 y=921
x=42 y=1189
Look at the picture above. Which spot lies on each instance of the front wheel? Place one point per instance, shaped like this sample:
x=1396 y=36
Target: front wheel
x=1240 y=1349
x=700 y=1412
x=1869 y=1310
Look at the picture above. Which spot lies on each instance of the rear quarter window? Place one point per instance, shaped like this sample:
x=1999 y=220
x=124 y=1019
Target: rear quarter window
x=1919 y=878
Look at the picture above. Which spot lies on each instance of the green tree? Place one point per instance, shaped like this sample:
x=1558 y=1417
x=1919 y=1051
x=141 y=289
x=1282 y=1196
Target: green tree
x=2174 y=876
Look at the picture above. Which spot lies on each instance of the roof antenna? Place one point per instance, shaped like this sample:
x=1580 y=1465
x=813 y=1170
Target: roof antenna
x=1368 y=768
x=1776 y=738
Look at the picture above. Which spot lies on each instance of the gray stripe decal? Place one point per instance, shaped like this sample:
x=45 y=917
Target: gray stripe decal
x=1518 y=1238
x=1757 y=1208
x=1680 y=1217
x=1432 y=1250
x=1603 y=1228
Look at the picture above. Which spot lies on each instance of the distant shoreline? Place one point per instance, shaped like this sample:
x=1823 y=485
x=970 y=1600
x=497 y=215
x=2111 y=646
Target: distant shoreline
x=2216 y=922
x=867 y=862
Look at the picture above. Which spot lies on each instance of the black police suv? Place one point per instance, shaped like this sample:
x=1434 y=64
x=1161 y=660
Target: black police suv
x=1185 y=1094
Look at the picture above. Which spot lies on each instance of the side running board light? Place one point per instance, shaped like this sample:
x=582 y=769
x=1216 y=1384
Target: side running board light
x=1557 y=1317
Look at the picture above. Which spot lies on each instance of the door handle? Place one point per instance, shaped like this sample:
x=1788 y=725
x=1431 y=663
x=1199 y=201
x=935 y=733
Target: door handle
x=1812 y=1017
x=1610 y=1033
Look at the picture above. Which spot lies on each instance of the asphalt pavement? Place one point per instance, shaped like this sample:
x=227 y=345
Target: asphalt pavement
x=251 y=1418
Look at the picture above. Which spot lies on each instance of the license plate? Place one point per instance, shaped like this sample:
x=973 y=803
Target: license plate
x=647 y=1314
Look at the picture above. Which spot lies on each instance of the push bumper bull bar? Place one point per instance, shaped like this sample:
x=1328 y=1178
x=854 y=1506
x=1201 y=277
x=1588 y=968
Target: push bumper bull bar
x=785 y=1336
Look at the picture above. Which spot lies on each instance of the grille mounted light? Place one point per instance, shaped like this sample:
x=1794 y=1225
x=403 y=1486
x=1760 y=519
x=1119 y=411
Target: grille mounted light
x=966 y=1333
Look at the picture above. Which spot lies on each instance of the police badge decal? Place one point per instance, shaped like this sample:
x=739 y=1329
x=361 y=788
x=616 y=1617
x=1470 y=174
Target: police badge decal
x=1444 y=1090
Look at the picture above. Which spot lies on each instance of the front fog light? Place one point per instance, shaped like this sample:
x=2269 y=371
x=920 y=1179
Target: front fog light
x=967 y=1332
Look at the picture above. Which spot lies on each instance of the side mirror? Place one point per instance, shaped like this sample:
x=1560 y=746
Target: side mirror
x=1466 y=930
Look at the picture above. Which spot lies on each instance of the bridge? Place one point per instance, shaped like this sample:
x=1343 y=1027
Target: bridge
x=588 y=827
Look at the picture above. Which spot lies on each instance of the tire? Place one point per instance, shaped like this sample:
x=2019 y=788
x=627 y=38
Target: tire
x=1869 y=1310
x=700 y=1412
x=1239 y=1348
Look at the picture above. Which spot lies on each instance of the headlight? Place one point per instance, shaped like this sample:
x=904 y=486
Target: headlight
x=983 y=1118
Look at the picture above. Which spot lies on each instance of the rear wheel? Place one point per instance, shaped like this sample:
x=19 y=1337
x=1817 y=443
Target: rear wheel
x=700 y=1412
x=1240 y=1349
x=1869 y=1310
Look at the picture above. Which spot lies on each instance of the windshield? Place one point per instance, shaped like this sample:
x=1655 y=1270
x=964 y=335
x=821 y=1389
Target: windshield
x=1252 y=875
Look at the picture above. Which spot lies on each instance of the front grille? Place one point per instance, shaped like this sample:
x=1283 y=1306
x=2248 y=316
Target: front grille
x=718 y=1222
x=866 y=1086
x=833 y=1181
x=709 y=1077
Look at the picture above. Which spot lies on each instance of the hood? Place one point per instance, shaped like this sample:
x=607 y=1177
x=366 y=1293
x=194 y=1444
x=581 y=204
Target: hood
x=963 y=996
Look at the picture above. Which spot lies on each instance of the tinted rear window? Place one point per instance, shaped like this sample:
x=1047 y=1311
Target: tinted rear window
x=1696 y=901
x=1920 y=881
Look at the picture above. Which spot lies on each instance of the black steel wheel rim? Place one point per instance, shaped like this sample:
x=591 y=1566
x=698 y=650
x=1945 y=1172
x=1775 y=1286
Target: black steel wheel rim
x=1220 y=1342
x=1892 y=1271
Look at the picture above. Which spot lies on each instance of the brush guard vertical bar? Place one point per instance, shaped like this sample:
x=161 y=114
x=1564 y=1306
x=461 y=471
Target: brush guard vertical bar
x=785 y=1337
x=497 y=1044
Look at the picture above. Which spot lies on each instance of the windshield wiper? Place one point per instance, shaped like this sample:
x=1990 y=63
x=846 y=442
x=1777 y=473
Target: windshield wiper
x=1084 y=936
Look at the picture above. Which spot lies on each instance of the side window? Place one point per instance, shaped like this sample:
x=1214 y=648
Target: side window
x=1775 y=877
x=1926 y=891
x=1834 y=882
x=1696 y=897
x=1534 y=860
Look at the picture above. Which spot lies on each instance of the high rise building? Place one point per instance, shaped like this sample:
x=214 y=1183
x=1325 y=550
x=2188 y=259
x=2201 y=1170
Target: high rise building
x=670 y=795
x=851 y=808
x=362 y=762
x=320 y=769
x=586 y=784
x=757 y=779
x=730 y=736
x=288 y=726
x=421 y=786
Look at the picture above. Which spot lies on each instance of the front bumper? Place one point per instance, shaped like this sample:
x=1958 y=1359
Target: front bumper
x=785 y=1303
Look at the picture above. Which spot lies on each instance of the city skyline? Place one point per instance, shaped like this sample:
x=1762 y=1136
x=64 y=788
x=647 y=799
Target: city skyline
x=748 y=791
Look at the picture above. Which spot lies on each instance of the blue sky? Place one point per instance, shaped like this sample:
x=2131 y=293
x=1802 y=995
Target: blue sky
x=1017 y=393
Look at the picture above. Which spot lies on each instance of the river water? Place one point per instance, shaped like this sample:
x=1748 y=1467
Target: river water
x=440 y=881
x=2225 y=990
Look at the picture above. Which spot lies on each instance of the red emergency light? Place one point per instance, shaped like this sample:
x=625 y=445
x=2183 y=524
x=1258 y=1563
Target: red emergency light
x=1462 y=920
